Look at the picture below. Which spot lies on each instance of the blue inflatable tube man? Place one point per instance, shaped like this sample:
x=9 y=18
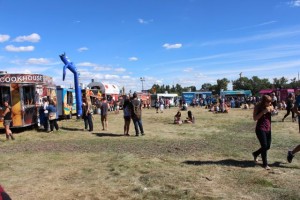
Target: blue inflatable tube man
x=69 y=65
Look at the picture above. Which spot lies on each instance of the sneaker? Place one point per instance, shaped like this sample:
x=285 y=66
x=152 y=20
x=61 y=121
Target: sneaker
x=267 y=167
x=290 y=156
x=12 y=137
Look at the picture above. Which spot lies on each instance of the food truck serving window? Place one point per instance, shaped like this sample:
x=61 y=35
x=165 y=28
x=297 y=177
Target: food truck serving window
x=69 y=98
x=4 y=94
x=28 y=95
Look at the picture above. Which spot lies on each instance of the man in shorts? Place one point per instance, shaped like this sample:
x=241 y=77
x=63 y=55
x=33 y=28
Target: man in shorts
x=104 y=112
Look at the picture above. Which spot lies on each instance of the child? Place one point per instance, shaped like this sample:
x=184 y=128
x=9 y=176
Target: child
x=190 y=119
x=177 y=118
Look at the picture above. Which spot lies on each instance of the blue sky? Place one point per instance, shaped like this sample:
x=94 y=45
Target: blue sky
x=189 y=42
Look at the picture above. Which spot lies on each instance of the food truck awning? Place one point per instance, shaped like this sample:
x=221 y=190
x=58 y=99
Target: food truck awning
x=268 y=91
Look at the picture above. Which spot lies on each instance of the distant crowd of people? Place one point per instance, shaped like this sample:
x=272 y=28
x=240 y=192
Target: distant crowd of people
x=132 y=110
x=264 y=108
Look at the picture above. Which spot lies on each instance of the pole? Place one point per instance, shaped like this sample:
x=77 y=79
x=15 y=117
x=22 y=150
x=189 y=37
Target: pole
x=142 y=80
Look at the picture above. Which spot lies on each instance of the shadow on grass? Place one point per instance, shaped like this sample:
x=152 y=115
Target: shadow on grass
x=226 y=162
x=71 y=129
x=236 y=163
x=108 y=135
x=283 y=165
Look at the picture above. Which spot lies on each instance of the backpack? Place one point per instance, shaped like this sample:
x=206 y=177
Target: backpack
x=137 y=109
x=157 y=104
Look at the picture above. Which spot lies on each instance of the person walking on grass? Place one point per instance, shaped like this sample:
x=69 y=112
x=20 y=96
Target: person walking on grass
x=289 y=107
x=262 y=114
x=136 y=115
x=296 y=109
x=104 y=112
x=7 y=119
x=291 y=154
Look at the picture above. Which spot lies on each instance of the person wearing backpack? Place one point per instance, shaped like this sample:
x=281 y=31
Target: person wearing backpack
x=136 y=115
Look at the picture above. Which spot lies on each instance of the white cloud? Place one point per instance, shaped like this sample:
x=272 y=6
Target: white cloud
x=94 y=65
x=12 y=48
x=294 y=3
x=102 y=68
x=81 y=49
x=172 y=46
x=38 y=61
x=120 y=69
x=126 y=77
x=27 y=71
x=34 y=37
x=188 y=69
x=133 y=59
x=111 y=77
x=87 y=64
x=142 y=21
x=254 y=26
x=4 y=38
x=266 y=36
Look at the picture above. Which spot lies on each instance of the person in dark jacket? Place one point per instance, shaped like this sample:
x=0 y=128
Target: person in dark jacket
x=136 y=115
x=289 y=105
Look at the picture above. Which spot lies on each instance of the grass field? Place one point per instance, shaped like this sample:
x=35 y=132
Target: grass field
x=210 y=159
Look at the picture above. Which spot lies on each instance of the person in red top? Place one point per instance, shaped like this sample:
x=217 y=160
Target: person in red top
x=3 y=194
x=262 y=114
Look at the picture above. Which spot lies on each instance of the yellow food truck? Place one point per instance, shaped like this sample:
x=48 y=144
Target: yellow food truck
x=24 y=93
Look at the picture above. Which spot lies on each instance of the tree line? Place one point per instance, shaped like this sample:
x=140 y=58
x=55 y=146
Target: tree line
x=255 y=84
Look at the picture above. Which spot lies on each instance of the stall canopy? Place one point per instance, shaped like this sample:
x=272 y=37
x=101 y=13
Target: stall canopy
x=267 y=91
x=105 y=88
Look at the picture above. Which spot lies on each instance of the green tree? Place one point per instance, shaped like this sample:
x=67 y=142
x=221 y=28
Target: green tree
x=206 y=86
x=280 y=83
x=222 y=84
x=294 y=83
x=178 y=89
x=242 y=83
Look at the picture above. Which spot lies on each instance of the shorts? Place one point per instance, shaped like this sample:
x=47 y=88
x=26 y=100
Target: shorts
x=127 y=118
x=103 y=117
x=7 y=122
